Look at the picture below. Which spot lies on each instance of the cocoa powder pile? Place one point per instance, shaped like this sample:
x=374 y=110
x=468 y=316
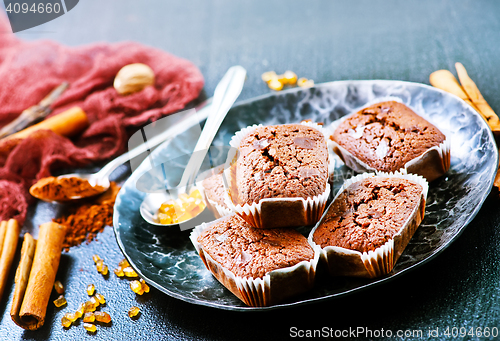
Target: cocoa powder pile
x=86 y=220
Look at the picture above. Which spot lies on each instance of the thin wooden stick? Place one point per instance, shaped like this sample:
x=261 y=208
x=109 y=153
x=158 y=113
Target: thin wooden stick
x=34 y=113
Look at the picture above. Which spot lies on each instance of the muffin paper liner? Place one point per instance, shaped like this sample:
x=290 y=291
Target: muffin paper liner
x=432 y=164
x=274 y=287
x=217 y=209
x=276 y=212
x=379 y=262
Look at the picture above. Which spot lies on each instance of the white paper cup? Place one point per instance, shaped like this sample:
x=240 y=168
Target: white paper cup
x=216 y=208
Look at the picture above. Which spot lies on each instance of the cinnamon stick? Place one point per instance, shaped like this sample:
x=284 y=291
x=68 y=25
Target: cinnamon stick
x=3 y=229
x=496 y=183
x=475 y=96
x=68 y=123
x=22 y=276
x=8 y=251
x=469 y=92
x=444 y=80
x=31 y=313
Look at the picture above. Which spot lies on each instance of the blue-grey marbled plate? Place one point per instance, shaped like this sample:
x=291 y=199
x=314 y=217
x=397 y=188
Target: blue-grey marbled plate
x=166 y=259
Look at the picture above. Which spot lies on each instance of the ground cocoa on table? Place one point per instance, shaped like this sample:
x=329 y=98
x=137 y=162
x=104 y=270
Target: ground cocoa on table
x=86 y=220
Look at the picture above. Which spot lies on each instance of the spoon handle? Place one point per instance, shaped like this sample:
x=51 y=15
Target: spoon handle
x=202 y=111
x=226 y=93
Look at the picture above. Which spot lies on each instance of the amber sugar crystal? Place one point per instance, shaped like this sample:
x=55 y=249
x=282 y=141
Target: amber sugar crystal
x=183 y=208
x=136 y=287
x=124 y=269
x=89 y=317
x=119 y=272
x=269 y=76
x=99 y=265
x=59 y=288
x=102 y=316
x=277 y=82
x=90 y=327
x=145 y=287
x=129 y=272
x=123 y=263
x=94 y=301
x=305 y=83
x=65 y=322
x=133 y=311
x=289 y=77
x=81 y=310
x=60 y=301
x=70 y=316
x=100 y=298
x=89 y=306
x=90 y=289
x=104 y=270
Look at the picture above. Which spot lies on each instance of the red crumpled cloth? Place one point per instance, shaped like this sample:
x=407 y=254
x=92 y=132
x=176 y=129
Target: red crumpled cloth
x=30 y=70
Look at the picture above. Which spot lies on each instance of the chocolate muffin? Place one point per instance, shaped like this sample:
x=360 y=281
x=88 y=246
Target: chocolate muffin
x=283 y=169
x=371 y=215
x=281 y=161
x=251 y=252
x=260 y=266
x=368 y=213
x=389 y=136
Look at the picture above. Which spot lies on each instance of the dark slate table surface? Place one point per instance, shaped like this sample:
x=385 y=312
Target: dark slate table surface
x=323 y=41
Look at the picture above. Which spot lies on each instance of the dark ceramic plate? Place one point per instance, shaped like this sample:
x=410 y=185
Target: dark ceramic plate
x=166 y=259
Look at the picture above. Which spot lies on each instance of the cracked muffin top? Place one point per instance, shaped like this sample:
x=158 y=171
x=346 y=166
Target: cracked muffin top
x=280 y=161
x=368 y=213
x=387 y=135
x=251 y=252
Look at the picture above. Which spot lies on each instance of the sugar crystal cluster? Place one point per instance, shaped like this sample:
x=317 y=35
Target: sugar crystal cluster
x=181 y=209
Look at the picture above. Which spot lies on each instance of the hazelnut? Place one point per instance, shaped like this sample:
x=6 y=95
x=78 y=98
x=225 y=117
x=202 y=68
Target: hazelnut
x=133 y=78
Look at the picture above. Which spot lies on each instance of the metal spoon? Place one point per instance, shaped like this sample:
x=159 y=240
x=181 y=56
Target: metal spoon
x=101 y=178
x=226 y=93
